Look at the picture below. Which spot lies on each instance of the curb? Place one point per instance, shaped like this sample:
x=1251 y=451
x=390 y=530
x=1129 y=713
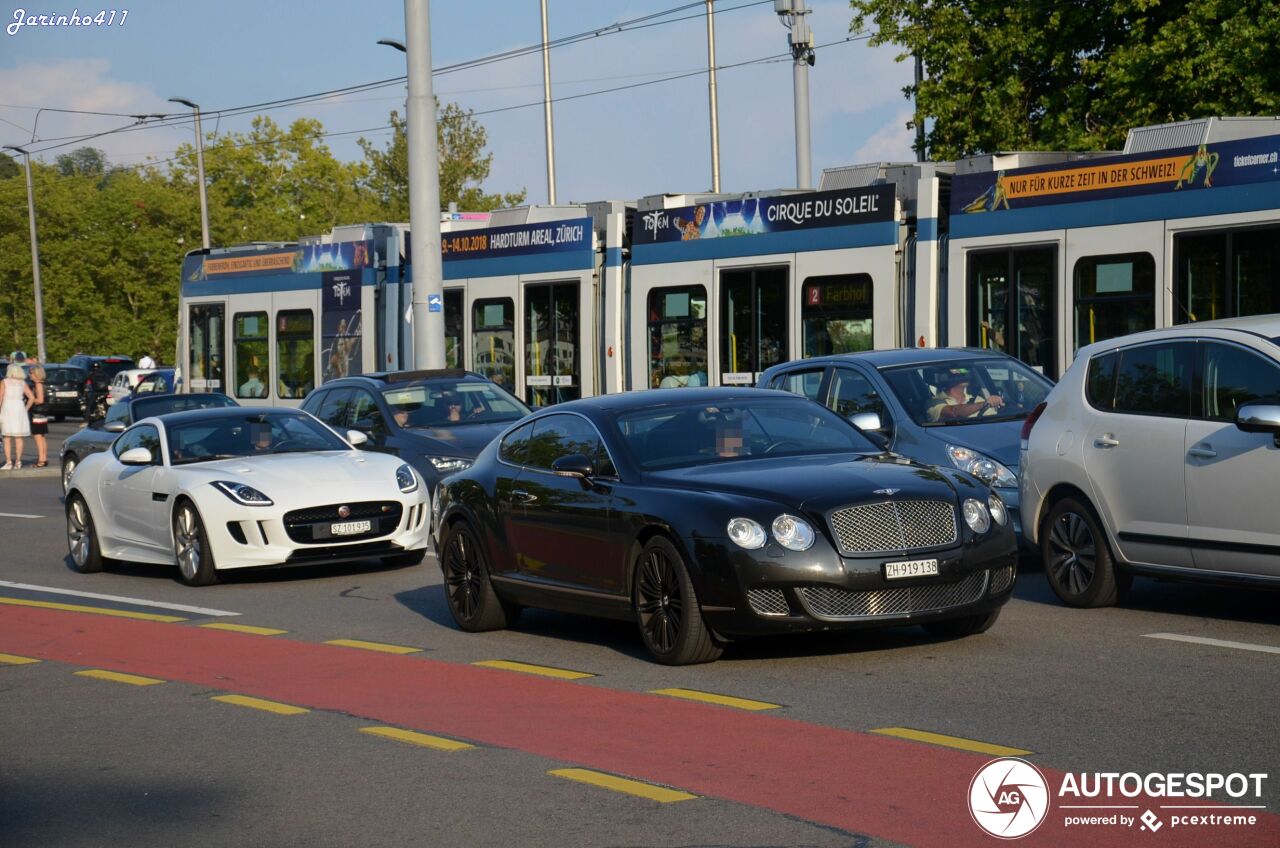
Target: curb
x=19 y=473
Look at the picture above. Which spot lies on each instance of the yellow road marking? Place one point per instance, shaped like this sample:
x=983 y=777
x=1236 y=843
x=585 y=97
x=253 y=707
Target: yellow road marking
x=259 y=704
x=119 y=677
x=11 y=659
x=373 y=646
x=544 y=670
x=145 y=616
x=414 y=738
x=245 y=628
x=713 y=698
x=621 y=784
x=952 y=741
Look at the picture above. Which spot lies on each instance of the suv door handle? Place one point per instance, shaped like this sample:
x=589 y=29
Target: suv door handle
x=1203 y=452
x=1105 y=441
x=521 y=496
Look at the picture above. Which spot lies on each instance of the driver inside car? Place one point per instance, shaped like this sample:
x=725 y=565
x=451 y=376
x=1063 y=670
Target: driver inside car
x=953 y=400
x=260 y=437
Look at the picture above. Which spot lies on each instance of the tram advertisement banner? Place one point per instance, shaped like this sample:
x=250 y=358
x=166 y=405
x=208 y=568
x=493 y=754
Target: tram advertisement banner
x=518 y=240
x=304 y=259
x=340 y=354
x=1229 y=163
x=750 y=216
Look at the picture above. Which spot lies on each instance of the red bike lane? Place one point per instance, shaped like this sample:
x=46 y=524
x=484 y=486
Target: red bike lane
x=893 y=789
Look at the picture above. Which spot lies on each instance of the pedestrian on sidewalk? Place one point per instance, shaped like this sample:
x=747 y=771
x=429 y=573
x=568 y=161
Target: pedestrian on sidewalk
x=39 y=417
x=14 y=423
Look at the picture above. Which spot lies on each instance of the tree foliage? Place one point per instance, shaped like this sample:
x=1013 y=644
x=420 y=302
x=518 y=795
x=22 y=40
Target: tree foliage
x=1076 y=74
x=112 y=239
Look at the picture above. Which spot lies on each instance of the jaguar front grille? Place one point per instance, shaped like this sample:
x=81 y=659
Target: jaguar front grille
x=830 y=602
x=894 y=526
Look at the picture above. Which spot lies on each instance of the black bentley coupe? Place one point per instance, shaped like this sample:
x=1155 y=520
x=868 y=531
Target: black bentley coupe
x=712 y=514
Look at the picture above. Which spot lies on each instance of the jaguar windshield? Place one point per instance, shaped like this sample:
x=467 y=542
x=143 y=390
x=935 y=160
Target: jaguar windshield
x=256 y=434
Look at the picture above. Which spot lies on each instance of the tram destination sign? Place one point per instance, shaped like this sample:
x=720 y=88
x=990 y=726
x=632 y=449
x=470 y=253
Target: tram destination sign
x=518 y=240
x=1181 y=170
x=749 y=216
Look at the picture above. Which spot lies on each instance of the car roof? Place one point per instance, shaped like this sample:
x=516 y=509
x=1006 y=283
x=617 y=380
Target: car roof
x=903 y=356
x=381 y=379
x=655 y=398
x=1257 y=326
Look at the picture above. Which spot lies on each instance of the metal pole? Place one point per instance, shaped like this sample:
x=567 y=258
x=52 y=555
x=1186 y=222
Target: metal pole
x=802 y=52
x=711 y=86
x=204 y=199
x=546 y=108
x=424 y=192
x=35 y=255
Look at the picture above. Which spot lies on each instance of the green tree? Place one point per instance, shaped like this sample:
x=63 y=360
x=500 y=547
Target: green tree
x=464 y=166
x=81 y=162
x=1076 y=75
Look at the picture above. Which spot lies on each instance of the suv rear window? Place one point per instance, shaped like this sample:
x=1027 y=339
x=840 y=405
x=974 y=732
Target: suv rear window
x=1100 y=383
x=1155 y=379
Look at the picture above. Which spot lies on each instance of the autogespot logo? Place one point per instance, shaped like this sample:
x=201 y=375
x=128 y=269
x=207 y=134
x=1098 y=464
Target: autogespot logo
x=1008 y=798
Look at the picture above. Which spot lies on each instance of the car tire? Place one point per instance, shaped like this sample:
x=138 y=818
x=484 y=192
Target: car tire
x=82 y=537
x=191 y=547
x=1077 y=558
x=667 y=609
x=474 y=604
x=69 y=463
x=407 y=559
x=969 y=625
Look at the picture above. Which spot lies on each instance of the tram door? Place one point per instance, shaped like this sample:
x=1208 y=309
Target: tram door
x=1012 y=304
x=206 y=354
x=753 y=323
x=552 y=353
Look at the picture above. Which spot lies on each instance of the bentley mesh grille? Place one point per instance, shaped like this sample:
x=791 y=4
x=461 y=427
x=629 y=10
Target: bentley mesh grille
x=894 y=526
x=768 y=601
x=1001 y=579
x=829 y=602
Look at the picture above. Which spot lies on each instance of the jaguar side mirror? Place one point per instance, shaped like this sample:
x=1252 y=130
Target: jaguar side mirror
x=136 y=456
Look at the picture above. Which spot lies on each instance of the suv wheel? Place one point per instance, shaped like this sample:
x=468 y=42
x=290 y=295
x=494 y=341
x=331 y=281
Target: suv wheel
x=1077 y=559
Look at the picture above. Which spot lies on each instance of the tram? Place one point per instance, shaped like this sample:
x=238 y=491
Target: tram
x=1034 y=254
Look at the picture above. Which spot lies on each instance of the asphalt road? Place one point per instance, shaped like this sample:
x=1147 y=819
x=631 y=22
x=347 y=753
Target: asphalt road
x=87 y=761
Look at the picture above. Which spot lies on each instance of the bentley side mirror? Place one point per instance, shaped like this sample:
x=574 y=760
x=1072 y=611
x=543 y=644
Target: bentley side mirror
x=1259 y=418
x=136 y=456
x=573 y=465
x=356 y=438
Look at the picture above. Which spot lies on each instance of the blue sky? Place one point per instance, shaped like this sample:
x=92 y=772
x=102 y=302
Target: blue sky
x=644 y=141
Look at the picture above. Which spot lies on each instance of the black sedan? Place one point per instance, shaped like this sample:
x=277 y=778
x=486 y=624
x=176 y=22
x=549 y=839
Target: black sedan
x=712 y=514
x=63 y=387
x=101 y=433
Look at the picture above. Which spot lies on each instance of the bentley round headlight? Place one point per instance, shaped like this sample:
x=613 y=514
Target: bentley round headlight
x=999 y=514
x=792 y=533
x=406 y=479
x=746 y=533
x=976 y=515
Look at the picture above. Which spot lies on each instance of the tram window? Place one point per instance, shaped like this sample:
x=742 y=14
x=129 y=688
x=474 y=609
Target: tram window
x=493 y=340
x=836 y=314
x=753 y=323
x=1115 y=296
x=453 y=348
x=1202 y=277
x=551 y=343
x=1011 y=299
x=296 y=352
x=252 y=370
x=205 y=332
x=678 y=337
x=1255 y=265
x=1225 y=274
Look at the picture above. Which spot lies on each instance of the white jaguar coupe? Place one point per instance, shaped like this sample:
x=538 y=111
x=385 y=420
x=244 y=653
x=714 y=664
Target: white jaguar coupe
x=216 y=489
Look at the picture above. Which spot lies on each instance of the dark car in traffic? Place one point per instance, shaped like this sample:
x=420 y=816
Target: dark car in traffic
x=437 y=420
x=100 y=433
x=161 y=382
x=99 y=372
x=707 y=515
x=63 y=388
x=954 y=407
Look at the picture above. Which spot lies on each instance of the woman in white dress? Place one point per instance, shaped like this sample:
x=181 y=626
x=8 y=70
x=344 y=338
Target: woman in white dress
x=14 y=423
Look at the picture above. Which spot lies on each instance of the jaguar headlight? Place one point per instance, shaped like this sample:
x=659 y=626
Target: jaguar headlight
x=449 y=464
x=406 y=479
x=792 y=533
x=242 y=494
x=983 y=467
x=746 y=533
x=976 y=515
x=996 y=507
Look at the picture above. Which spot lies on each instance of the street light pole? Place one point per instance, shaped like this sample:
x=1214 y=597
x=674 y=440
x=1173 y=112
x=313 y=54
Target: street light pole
x=35 y=254
x=204 y=200
x=546 y=108
x=711 y=89
x=796 y=17
x=424 y=192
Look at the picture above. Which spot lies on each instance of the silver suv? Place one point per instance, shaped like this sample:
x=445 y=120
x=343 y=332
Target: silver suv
x=1158 y=454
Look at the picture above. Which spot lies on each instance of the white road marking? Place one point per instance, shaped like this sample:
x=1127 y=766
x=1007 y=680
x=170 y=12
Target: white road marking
x=1217 y=643
x=135 y=601
x=18 y=515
